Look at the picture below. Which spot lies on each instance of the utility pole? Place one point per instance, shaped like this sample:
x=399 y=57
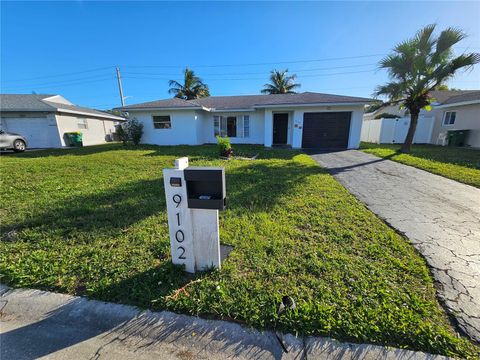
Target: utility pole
x=120 y=85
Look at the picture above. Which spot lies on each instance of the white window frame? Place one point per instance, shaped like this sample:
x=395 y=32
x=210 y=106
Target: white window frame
x=220 y=126
x=164 y=122
x=246 y=126
x=82 y=123
x=217 y=120
x=447 y=116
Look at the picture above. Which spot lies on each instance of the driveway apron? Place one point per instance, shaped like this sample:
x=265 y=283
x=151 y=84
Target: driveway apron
x=441 y=217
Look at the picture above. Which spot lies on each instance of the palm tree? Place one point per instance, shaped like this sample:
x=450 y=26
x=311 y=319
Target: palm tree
x=280 y=83
x=419 y=65
x=192 y=87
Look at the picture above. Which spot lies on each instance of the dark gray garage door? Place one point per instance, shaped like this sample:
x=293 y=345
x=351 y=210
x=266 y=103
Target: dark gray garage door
x=326 y=130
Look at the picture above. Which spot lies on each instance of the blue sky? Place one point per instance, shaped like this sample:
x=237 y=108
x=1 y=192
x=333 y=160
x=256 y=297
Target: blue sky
x=71 y=48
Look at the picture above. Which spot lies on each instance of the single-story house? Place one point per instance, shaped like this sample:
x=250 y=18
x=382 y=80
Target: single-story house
x=451 y=110
x=303 y=120
x=43 y=120
x=459 y=112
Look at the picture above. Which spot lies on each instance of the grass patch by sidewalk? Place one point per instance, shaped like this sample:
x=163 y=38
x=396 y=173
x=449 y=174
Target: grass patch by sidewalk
x=92 y=221
x=460 y=164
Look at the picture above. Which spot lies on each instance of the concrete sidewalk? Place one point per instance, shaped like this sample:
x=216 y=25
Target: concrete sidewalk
x=441 y=217
x=38 y=324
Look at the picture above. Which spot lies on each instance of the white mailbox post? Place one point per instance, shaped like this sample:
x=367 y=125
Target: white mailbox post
x=194 y=195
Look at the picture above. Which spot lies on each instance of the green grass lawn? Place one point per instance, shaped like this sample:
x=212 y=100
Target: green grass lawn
x=460 y=164
x=92 y=222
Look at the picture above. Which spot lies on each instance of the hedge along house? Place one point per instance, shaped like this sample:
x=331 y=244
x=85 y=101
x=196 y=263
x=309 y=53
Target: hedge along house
x=304 y=120
x=43 y=120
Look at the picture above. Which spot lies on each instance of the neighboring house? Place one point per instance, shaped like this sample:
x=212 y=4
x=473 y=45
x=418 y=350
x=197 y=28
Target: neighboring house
x=44 y=119
x=460 y=112
x=304 y=120
x=451 y=110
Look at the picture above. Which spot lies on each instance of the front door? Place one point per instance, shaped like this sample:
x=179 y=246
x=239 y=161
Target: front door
x=280 y=129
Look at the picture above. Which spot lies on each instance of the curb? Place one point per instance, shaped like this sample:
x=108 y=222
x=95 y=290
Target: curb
x=73 y=326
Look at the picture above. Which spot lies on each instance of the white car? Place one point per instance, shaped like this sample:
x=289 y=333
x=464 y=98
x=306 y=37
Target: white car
x=12 y=141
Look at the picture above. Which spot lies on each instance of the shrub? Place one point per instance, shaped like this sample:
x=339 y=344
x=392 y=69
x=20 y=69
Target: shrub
x=135 y=130
x=122 y=134
x=387 y=116
x=132 y=130
x=224 y=146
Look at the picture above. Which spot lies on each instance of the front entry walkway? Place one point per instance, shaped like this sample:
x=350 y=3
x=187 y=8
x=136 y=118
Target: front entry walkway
x=441 y=217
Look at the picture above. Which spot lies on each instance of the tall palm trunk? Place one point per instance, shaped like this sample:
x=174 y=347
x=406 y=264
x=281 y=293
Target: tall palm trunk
x=411 y=130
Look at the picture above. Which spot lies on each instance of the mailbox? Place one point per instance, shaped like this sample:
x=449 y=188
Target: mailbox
x=205 y=187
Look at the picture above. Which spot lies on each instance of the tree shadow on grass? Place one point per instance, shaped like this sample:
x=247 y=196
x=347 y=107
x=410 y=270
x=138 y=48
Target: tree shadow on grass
x=94 y=214
x=210 y=151
x=200 y=152
x=71 y=151
x=462 y=156
x=148 y=289
x=258 y=185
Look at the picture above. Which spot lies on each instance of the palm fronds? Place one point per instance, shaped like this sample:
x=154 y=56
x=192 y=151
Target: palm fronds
x=280 y=83
x=192 y=88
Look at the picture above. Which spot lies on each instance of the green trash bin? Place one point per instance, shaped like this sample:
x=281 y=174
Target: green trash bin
x=457 y=137
x=75 y=138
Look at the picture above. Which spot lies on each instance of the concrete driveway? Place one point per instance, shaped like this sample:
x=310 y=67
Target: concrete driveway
x=441 y=217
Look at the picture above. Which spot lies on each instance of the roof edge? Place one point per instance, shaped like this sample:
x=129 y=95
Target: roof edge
x=157 y=108
x=460 y=103
x=350 y=103
x=79 y=112
x=253 y=108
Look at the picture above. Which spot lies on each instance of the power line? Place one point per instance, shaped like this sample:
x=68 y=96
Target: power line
x=257 y=78
x=255 y=64
x=214 y=66
x=64 y=74
x=66 y=81
x=62 y=81
x=254 y=73
x=34 y=87
x=96 y=106
x=59 y=82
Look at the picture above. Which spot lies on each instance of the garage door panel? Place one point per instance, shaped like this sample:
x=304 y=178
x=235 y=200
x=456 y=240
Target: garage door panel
x=37 y=131
x=327 y=130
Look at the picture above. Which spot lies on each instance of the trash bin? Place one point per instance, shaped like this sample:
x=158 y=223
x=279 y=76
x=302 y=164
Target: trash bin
x=75 y=138
x=457 y=137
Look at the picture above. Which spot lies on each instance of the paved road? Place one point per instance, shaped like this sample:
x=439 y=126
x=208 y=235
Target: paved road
x=37 y=324
x=441 y=217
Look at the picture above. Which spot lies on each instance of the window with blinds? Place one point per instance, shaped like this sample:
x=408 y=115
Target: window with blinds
x=231 y=126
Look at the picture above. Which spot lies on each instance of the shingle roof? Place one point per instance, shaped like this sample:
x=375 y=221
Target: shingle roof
x=40 y=102
x=442 y=96
x=466 y=96
x=166 y=103
x=251 y=101
x=24 y=102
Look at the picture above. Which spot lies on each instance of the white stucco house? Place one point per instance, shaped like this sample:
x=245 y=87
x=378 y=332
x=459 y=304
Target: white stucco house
x=303 y=120
x=43 y=120
x=451 y=110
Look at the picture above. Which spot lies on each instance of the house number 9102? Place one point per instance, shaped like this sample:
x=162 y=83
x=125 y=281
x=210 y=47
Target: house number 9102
x=179 y=235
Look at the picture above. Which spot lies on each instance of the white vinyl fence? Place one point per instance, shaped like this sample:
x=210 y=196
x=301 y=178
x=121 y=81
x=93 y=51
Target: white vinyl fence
x=391 y=131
